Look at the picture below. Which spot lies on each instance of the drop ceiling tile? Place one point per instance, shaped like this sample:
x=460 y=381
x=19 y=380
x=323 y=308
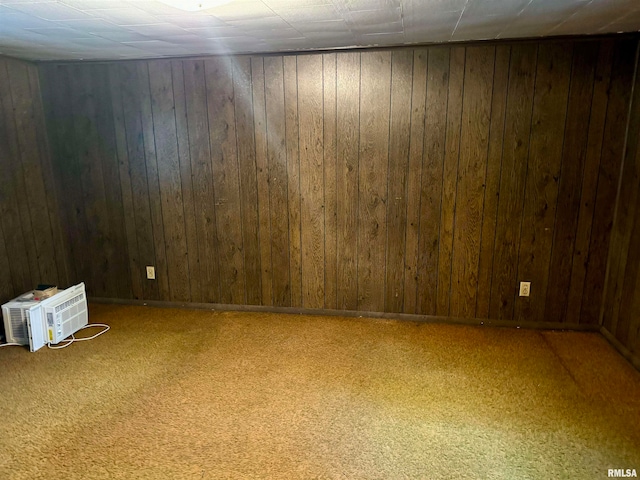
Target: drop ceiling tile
x=241 y=9
x=213 y=32
x=275 y=33
x=158 y=46
x=192 y=21
x=122 y=35
x=428 y=7
x=330 y=26
x=384 y=38
x=60 y=32
x=372 y=4
x=92 y=25
x=481 y=27
x=261 y=23
x=391 y=27
x=309 y=14
x=50 y=11
x=125 y=16
x=183 y=39
x=430 y=20
x=20 y=20
x=88 y=5
x=595 y=15
x=94 y=42
x=484 y=8
x=157 y=29
x=278 y=4
x=367 y=17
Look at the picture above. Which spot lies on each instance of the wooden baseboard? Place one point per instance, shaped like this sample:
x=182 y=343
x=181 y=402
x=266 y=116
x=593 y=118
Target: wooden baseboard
x=351 y=313
x=624 y=351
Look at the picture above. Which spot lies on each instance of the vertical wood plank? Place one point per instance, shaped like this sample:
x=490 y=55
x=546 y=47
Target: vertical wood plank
x=469 y=200
x=222 y=141
x=398 y=164
x=330 y=198
x=202 y=174
x=6 y=288
x=348 y=139
x=59 y=253
x=574 y=154
x=124 y=173
x=130 y=93
x=10 y=217
x=56 y=94
x=120 y=275
x=278 y=184
x=17 y=114
x=545 y=156
x=375 y=98
x=248 y=179
x=293 y=177
x=153 y=182
x=169 y=181
x=188 y=200
x=620 y=312
x=623 y=260
x=610 y=164
x=512 y=180
x=88 y=180
x=29 y=157
x=431 y=183
x=449 y=179
x=262 y=172
x=492 y=181
x=310 y=102
x=595 y=133
x=414 y=178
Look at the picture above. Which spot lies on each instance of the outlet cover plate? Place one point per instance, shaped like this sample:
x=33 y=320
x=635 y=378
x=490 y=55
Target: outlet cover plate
x=525 y=289
x=151 y=273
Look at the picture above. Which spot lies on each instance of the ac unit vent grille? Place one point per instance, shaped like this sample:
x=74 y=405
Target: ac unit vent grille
x=69 y=303
x=17 y=323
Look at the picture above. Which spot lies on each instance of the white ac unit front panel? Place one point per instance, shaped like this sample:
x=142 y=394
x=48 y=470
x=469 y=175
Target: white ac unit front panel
x=37 y=323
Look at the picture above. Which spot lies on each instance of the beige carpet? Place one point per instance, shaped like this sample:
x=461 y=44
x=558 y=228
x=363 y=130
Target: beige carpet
x=194 y=394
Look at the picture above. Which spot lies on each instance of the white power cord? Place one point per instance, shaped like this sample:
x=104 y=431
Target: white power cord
x=74 y=339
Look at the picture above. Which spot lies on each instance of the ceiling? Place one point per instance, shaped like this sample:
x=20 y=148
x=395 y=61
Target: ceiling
x=121 y=29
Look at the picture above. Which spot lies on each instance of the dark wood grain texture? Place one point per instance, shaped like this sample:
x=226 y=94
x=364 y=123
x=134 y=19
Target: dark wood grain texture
x=450 y=179
x=492 y=179
x=472 y=170
x=375 y=98
x=424 y=180
x=262 y=176
x=414 y=178
x=398 y=164
x=348 y=139
x=278 y=182
x=310 y=124
x=543 y=174
x=431 y=180
x=225 y=170
x=515 y=152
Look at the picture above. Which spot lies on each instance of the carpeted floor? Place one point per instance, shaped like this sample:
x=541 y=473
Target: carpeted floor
x=201 y=395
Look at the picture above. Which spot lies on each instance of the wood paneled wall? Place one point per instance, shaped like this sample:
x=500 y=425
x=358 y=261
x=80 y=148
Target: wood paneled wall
x=31 y=245
x=428 y=180
x=621 y=312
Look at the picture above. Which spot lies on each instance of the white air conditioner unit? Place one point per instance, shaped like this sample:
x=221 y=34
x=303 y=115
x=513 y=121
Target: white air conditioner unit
x=37 y=323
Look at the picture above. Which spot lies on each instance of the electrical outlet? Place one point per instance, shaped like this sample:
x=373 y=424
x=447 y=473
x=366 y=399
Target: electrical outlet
x=151 y=273
x=525 y=288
